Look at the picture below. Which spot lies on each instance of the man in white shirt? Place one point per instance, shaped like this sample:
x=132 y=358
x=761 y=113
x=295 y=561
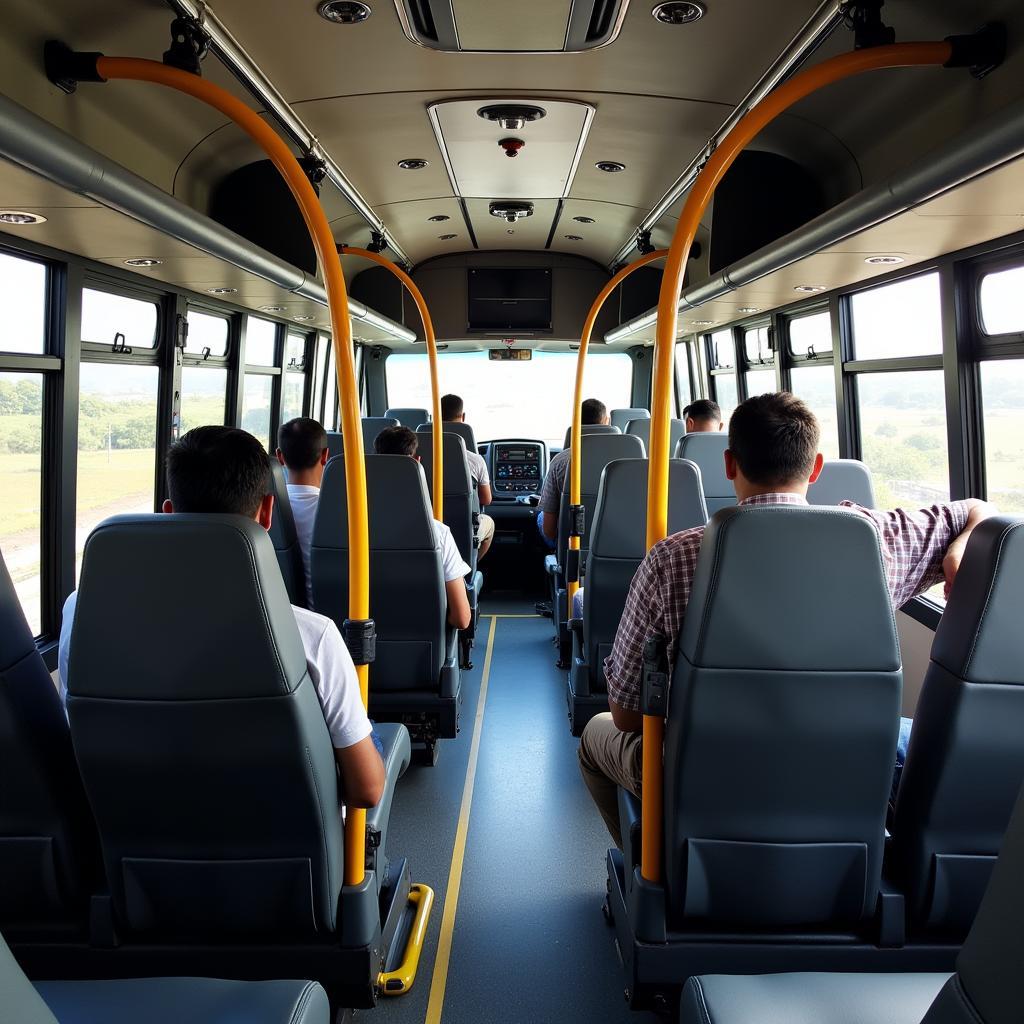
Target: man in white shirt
x=302 y=450
x=226 y=470
x=453 y=411
x=402 y=441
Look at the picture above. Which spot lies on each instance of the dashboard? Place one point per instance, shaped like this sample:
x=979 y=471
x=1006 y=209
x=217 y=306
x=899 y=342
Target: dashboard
x=516 y=467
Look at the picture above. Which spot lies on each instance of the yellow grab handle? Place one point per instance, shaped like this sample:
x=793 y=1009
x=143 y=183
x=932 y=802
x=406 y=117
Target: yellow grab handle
x=437 y=478
x=399 y=981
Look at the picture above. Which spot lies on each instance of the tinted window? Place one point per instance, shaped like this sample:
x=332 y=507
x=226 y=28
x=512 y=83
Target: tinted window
x=1001 y=298
x=810 y=336
x=723 y=349
x=105 y=315
x=257 y=395
x=1002 y=394
x=203 y=392
x=726 y=395
x=260 y=339
x=900 y=319
x=206 y=332
x=756 y=345
x=816 y=385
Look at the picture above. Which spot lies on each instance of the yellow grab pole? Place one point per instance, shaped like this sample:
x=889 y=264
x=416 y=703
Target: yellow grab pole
x=575 y=441
x=437 y=479
x=801 y=85
x=341 y=328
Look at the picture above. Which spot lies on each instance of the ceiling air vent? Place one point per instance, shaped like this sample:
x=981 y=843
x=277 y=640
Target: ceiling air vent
x=525 y=26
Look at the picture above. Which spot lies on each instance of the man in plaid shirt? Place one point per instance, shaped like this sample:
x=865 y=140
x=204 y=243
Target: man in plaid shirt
x=772 y=458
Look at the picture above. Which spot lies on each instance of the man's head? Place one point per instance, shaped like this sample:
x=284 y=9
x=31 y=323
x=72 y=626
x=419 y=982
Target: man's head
x=702 y=416
x=773 y=445
x=219 y=469
x=594 y=411
x=302 y=449
x=397 y=441
x=452 y=409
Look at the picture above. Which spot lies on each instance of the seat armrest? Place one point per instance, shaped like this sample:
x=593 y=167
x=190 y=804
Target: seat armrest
x=576 y=628
x=397 y=746
x=551 y=565
x=629 y=827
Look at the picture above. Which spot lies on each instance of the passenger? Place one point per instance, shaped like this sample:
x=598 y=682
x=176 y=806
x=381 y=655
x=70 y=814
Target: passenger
x=702 y=416
x=302 y=450
x=402 y=441
x=226 y=470
x=772 y=457
x=592 y=412
x=453 y=411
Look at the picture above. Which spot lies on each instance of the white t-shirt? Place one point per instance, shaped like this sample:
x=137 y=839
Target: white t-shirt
x=477 y=468
x=327 y=659
x=304 y=499
x=452 y=564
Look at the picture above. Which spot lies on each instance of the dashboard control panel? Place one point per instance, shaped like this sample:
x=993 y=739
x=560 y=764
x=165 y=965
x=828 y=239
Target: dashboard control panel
x=516 y=467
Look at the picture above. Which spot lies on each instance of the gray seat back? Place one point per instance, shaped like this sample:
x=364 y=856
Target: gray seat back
x=590 y=428
x=464 y=430
x=200 y=737
x=618 y=545
x=707 y=449
x=409 y=417
x=460 y=496
x=372 y=426
x=19 y=1000
x=842 y=480
x=966 y=759
x=621 y=417
x=48 y=851
x=642 y=429
x=407 y=595
x=336 y=444
x=286 y=540
x=782 y=723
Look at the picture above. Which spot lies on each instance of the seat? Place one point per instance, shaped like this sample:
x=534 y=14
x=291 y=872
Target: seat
x=621 y=417
x=617 y=547
x=48 y=849
x=642 y=428
x=842 y=480
x=988 y=987
x=464 y=430
x=336 y=444
x=590 y=428
x=409 y=417
x=707 y=449
x=779 y=750
x=286 y=540
x=965 y=764
x=157 y=1000
x=415 y=677
x=208 y=764
x=372 y=426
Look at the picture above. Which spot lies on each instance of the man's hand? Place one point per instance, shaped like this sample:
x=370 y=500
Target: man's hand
x=625 y=719
x=980 y=510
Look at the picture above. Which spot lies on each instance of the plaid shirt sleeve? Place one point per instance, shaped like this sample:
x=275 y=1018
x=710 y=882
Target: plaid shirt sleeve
x=914 y=544
x=551 y=492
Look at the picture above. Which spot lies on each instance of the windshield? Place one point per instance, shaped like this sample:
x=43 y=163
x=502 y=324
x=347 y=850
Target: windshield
x=528 y=399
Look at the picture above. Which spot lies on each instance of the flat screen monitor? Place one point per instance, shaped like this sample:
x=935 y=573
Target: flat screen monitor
x=509 y=299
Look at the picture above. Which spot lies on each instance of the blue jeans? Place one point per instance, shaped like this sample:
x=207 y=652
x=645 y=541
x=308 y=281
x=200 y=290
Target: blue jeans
x=906 y=724
x=376 y=742
x=543 y=536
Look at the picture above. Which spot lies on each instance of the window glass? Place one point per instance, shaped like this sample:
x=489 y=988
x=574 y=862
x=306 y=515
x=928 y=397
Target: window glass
x=816 y=385
x=105 y=315
x=203 y=393
x=1002 y=395
x=206 y=332
x=23 y=300
x=294 y=388
x=723 y=349
x=903 y=436
x=512 y=399
x=683 y=373
x=330 y=420
x=1002 y=301
x=117 y=412
x=755 y=344
x=726 y=395
x=257 y=395
x=760 y=382
x=901 y=319
x=322 y=346
x=810 y=336
x=21 y=465
x=295 y=351
x=260 y=339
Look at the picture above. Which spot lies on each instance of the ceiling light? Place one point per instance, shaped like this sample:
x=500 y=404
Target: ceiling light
x=343 y=12
x=809 y=288
x=222 y=291
x=574 y=238
x=749 y=309
x=584 y=220
x=273 y=309
x=447 y=238
x=510 y=210
x=701 y=323
x=412 y=164
x=511 y=116
x=143 y=261
x=304 y=317
x=678 y=12
x=20 y=217
x=610 y=166
x=438 y=218
x=883 y=260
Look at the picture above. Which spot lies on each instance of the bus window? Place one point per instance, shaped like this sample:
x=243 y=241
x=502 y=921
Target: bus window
x=816 y=385
x=1001 y=302
x=21 y=465
x=682 y=353
x=810 y=336
x=260 y=342
x=105 y=315
x=204 y=377
x=898 y=320
x=257 y=397
x=722 y=348
x=294 y=377
x=23 y=300
x=1002 y=396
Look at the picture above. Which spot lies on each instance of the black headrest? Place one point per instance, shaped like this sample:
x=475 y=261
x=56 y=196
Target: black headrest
x=409 y=417
x=793 y=588
x=842 y=480
x=372 y=426
x=282 y=525
x=598 y=451
x=979 y=636
x=591 y=428
x=199 y=606
x=620 y=417
x=456 y=472
x=707 y=449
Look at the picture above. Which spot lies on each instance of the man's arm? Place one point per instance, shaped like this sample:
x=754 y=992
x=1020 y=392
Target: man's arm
x=460 y=615
x=980 y=510
x=626 y=719
x=484 y=490
x=550 y=525
x=362 y=773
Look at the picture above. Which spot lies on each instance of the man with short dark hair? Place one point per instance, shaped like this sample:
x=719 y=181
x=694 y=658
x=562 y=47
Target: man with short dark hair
x=453 y=410
x=702 y=416
x=402 y=441
x=592 y=411
x=224 y=470
x=302 y=450
x=772 y=458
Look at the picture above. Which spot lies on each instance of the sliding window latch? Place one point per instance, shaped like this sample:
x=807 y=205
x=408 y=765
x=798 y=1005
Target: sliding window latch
x=119 y=348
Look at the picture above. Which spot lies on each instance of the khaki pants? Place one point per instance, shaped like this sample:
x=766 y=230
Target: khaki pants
x=610 y=758
x=485 y=531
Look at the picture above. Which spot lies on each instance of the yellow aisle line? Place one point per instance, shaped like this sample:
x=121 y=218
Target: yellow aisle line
x=509 y=615
x=439 y=981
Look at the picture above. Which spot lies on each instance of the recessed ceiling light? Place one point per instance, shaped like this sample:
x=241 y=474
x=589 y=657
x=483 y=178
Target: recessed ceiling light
x=21 y=218
x=574 y=238
x=610 y=166
x=584 y=220
x=701 y=323
x=749 y=309
x=143 y=261
x=412 y=164
x=809 y=288
x=678 y=12
x=273 y=309
x=439 y=218
x=883 y=260
x=304 y=317
x=446 y=238
x=343 y=12
x=222 y=291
